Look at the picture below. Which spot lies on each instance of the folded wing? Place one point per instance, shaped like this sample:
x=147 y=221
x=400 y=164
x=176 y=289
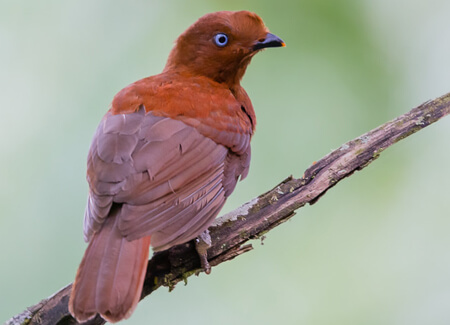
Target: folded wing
x=166 y=178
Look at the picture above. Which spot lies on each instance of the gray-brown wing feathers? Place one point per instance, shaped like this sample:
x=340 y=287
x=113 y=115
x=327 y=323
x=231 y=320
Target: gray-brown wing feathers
x=168 y=180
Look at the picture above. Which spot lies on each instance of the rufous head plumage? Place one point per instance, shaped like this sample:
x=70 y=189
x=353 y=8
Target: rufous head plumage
x=220 y=46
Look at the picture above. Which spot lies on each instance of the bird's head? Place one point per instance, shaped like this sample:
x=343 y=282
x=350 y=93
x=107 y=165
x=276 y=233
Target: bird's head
x=220 y=46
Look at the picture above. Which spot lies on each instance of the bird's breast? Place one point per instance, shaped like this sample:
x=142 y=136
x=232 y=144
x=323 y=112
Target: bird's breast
x=210 y=107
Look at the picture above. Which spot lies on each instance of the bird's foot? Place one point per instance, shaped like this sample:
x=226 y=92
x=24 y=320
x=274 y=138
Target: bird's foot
x=202 y=243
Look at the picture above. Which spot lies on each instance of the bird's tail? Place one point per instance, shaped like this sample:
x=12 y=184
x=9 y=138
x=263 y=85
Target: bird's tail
x=110 y=277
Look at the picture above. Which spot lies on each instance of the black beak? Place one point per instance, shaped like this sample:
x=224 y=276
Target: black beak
x=271 y=40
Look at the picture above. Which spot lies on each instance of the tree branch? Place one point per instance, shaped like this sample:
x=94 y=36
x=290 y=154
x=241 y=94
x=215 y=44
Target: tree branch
x=252 y=220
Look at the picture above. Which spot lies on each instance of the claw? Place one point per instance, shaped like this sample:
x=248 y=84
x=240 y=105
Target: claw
x=202 y=243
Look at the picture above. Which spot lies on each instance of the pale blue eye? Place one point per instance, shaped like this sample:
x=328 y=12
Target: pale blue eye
x=221 y=39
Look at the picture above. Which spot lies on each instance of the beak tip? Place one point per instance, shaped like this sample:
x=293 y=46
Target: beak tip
x=271 y=40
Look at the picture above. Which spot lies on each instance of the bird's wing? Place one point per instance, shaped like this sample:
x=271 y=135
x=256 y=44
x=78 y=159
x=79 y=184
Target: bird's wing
x=168 y=178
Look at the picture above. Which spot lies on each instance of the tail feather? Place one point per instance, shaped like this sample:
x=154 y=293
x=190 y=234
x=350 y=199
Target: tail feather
x=110 y=277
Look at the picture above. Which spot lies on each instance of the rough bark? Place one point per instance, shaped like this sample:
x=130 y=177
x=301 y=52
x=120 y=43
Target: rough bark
x=252 y=220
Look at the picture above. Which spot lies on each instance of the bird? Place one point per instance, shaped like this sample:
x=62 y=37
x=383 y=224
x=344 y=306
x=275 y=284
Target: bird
x=164 y=159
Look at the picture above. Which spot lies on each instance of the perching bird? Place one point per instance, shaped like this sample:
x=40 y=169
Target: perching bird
x=164 y=159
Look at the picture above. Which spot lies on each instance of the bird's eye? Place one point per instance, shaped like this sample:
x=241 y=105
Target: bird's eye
x=221 y=39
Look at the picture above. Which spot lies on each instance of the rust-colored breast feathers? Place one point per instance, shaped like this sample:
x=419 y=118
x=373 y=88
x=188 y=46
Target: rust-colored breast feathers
x=210 y=107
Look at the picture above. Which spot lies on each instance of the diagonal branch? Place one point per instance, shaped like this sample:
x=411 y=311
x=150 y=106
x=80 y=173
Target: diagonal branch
x=252 y=220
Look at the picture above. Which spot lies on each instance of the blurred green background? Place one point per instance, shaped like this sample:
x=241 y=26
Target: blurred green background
x=374 y=250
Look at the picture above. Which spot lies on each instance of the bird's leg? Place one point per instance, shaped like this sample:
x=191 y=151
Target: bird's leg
x=202 y=243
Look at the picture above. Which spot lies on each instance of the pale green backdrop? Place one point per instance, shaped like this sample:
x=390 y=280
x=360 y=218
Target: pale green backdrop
x=374 y=250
